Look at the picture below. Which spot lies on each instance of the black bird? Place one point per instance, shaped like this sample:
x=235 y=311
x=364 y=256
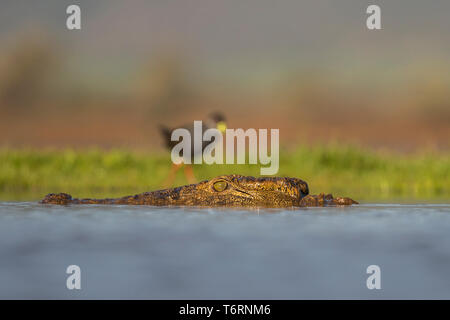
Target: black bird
x=214 y=120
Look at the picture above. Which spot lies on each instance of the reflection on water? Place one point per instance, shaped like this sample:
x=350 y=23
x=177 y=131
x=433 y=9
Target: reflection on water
x=145 y=252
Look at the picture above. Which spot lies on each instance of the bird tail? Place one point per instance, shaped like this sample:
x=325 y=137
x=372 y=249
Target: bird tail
x=166 y=133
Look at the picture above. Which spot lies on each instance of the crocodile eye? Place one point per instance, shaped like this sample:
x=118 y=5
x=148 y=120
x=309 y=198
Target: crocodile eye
x=219 y=186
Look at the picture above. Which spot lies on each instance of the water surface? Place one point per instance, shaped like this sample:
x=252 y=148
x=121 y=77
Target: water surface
x=142 y=252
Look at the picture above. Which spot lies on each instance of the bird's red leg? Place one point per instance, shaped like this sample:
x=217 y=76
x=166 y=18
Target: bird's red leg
x=189 y=173
x=171 y=176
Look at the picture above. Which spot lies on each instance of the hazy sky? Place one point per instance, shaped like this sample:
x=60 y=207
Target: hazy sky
x=216 y=35
x=234 y=27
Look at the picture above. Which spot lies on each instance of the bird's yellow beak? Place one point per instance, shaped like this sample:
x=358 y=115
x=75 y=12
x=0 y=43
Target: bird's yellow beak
x=221 y=126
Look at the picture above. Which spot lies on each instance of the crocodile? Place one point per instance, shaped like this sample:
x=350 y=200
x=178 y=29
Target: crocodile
x=222 y=191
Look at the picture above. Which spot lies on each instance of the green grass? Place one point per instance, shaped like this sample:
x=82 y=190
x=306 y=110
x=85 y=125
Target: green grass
x=361 y=174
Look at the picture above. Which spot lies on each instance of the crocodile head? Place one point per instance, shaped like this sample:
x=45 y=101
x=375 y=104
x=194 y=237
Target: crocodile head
x=237 y=190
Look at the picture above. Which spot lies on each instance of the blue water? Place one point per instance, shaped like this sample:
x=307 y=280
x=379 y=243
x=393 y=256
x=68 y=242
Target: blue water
x=144 y=252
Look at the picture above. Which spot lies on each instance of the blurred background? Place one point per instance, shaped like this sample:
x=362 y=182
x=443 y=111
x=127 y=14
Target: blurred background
x=309 y=68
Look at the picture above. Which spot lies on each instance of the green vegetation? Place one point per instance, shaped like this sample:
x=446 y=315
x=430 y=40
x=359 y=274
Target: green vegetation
x=349 y=171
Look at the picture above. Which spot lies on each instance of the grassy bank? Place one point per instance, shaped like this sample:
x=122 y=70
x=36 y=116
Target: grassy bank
x=361 y=174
